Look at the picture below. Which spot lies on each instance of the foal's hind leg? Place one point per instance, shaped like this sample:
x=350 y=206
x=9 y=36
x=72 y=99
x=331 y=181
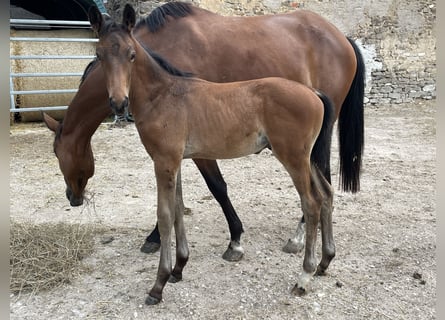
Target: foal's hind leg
x=296 y=244
x=327 y=235
x=311 y=202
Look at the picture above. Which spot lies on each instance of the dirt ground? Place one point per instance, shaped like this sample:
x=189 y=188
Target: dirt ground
x=385 y=267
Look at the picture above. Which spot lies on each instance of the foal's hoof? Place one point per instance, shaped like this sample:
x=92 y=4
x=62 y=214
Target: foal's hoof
x=298 y=291
x=150 y=247
x=151 y=301
x=293 y=246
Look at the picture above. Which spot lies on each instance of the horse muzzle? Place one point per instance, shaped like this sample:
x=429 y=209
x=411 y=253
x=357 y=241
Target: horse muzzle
x=75 y=201
x=119 y=107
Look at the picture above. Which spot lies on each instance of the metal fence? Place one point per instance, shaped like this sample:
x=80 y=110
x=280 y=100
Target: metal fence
x=28 y=23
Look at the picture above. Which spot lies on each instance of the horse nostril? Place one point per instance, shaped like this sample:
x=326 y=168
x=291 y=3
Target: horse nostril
x=118 y=108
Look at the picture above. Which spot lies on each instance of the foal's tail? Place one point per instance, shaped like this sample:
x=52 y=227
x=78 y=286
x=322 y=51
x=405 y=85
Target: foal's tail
x=321 y=152
x=351 y=128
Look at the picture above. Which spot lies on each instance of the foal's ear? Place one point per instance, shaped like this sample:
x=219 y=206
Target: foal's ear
x=96 y=19
x=51 y=123
x=129 y=17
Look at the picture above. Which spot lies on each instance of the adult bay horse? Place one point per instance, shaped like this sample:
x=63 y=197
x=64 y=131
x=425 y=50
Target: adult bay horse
x=180 y=117
x=300 y=45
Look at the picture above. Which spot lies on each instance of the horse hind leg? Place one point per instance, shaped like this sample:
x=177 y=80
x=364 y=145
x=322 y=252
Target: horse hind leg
x=327 y=235
x=315 y=204
x=296 y=244
x=311 y=202
x=218 y=187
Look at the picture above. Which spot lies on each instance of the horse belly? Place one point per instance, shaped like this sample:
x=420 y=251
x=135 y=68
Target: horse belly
x=220 y=146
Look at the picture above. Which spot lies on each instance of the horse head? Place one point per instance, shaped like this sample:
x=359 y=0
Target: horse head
x=116 y=54
x=76 y=161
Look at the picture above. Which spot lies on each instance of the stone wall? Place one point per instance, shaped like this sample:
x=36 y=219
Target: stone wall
x=396 y=37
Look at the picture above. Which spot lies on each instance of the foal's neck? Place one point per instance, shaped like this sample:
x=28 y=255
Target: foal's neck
x=148 y=78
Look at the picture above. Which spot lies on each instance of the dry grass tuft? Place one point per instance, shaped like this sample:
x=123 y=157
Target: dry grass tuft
x=45 y=256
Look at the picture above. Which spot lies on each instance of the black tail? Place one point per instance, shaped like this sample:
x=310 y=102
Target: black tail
x=351 y=128
x=321 y=152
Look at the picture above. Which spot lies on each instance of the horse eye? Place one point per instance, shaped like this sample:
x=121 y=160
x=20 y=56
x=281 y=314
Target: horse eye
x=97 y=56
x=132 y=56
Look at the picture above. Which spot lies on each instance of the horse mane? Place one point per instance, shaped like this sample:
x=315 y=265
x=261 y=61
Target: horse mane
x=170 y=8
x=88 y=69
x=158 y=17
x=167 y=66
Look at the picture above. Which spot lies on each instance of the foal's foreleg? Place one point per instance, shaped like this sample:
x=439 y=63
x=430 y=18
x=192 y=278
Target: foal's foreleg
x=153 y=241
x=166 y=185
x=182 y=250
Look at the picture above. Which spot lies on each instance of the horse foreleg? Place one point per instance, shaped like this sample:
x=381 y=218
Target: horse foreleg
x=218 y=187
x=153 y=241
x=166 y=185
x=182 y=250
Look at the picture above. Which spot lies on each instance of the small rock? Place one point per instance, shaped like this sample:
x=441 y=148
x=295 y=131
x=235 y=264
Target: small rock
x=106 y=240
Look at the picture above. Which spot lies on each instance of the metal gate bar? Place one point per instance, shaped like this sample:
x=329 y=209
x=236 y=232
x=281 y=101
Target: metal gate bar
x=30 y=22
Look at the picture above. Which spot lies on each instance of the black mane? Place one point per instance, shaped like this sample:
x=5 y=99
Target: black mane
x=167 y=66
x=88 y=69
x=157 y=18
x=111 y=26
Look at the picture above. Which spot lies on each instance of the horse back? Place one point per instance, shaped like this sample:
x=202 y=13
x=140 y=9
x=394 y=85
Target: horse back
x=299 y=45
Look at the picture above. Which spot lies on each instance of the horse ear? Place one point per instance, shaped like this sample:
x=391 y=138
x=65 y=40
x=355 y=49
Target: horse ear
x=51 y=123
x=96 y=19
x=129 y=17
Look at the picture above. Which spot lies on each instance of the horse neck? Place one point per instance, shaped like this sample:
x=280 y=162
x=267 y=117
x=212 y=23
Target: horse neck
x=148 y=78
x=86 y=111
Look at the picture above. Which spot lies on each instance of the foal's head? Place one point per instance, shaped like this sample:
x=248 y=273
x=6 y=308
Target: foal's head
x=116 y=53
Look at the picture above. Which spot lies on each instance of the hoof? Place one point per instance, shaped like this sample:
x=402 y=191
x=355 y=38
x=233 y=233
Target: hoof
x=234 y=252
x=151 y=301
x=187 y=211
x=150 y=247
x=298 y=291
x=320 y=271
x=232 y=255
x=293 y=247
x=175 y=278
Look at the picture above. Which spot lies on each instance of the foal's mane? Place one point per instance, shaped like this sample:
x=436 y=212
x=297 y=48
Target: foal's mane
x=158 y=17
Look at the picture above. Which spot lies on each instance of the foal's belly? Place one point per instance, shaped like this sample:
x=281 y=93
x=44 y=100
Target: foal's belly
x=235 y=145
